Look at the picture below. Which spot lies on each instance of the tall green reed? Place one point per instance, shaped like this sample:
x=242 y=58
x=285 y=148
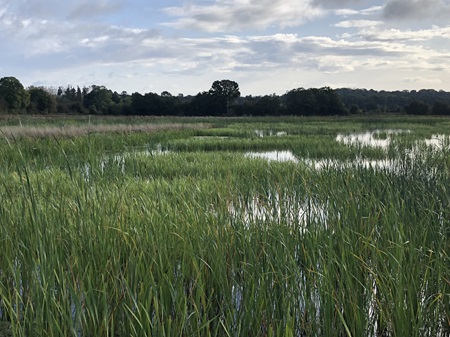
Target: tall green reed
x=97 y=242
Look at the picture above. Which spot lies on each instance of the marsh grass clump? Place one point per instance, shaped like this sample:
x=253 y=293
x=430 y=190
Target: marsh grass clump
x=381 y=135
x=102 y=238
x=83 y=130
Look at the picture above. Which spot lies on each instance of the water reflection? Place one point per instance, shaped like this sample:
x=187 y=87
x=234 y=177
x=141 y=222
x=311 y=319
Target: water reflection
x=285 y=209
x=118 y=160
x=438 y=141
x=280 y=156
x=380 y=164
x=320 y=164
x=266 y=133
x=383 y=139
x=377 y=138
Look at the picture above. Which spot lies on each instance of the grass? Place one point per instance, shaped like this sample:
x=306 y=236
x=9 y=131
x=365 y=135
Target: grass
x=83 y=130
x=100 y=238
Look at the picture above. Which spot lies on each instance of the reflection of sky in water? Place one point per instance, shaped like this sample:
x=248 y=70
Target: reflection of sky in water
x=264 y=133
x=319 y=164
x=438 y=141
x=287 y=209
x=358 y=139
x=369 y=138
x=274 y=155
x=372 y=139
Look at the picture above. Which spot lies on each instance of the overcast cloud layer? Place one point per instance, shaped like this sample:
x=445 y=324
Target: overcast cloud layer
x=267 y=46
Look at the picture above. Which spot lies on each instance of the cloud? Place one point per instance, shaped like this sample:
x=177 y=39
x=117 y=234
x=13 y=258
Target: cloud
x=60 y=10
x=406 y=35
x=336 y=3
x=145 y=55
x=374 y=10
x=239 y=15
x=421 y=80
x=416 y=9
x=89 y=9
x=52 y=44
x=54 y=41
x=325 y=54
x=358 y=23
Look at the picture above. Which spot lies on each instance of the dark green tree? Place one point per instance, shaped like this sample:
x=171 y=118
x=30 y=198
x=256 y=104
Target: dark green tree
x=354 y=109
x=225 y=92
x=154 y=104
x=79 y=95
x=138 y=104
x=301 y=102
x=70 y=93
x=98 y=100
x=441 y=108
x=116 y=97
x=170 y=104
x=328 y=102
x=268 y=105
x=205 y=104
x=40 y=101
x=417 y=108
x=13 y=94
x=311 y=102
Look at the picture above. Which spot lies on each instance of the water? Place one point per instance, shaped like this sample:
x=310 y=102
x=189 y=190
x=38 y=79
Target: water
x=377 y=138
x=268 y=133
x=439 y=142
x=211 y=137
x=280 y=156
x=119 y=160
x=383 y=139
x=287 y=209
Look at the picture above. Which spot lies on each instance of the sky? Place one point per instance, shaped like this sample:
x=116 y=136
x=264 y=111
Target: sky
x=266 y=46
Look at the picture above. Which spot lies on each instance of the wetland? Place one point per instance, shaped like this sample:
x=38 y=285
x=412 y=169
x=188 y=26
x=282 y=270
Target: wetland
x=287 y=226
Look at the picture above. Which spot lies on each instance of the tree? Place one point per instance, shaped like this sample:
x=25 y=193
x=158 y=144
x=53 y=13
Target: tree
x=79 y=95
x=354 y=109
x=40 y=100
x=417 y=108
x=328 y=102
x=98 y=100
x=153 y=104
x=312 y=102
x=204 y=104
x=70 y=93
x=225 y=92
x=268 y=105
x=170 y=104
x=301 y=102
x=13 y=94
x=441 y=108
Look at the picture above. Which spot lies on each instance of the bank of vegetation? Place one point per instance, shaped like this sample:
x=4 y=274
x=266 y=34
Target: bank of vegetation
x=222 y=99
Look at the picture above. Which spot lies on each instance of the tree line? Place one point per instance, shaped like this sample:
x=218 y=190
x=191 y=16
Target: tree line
x=414 y=102
x=222 y=99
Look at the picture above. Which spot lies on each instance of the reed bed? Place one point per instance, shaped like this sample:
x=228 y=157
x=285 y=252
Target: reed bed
x=303 y=146
x=82 y=130
x=101 y=240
